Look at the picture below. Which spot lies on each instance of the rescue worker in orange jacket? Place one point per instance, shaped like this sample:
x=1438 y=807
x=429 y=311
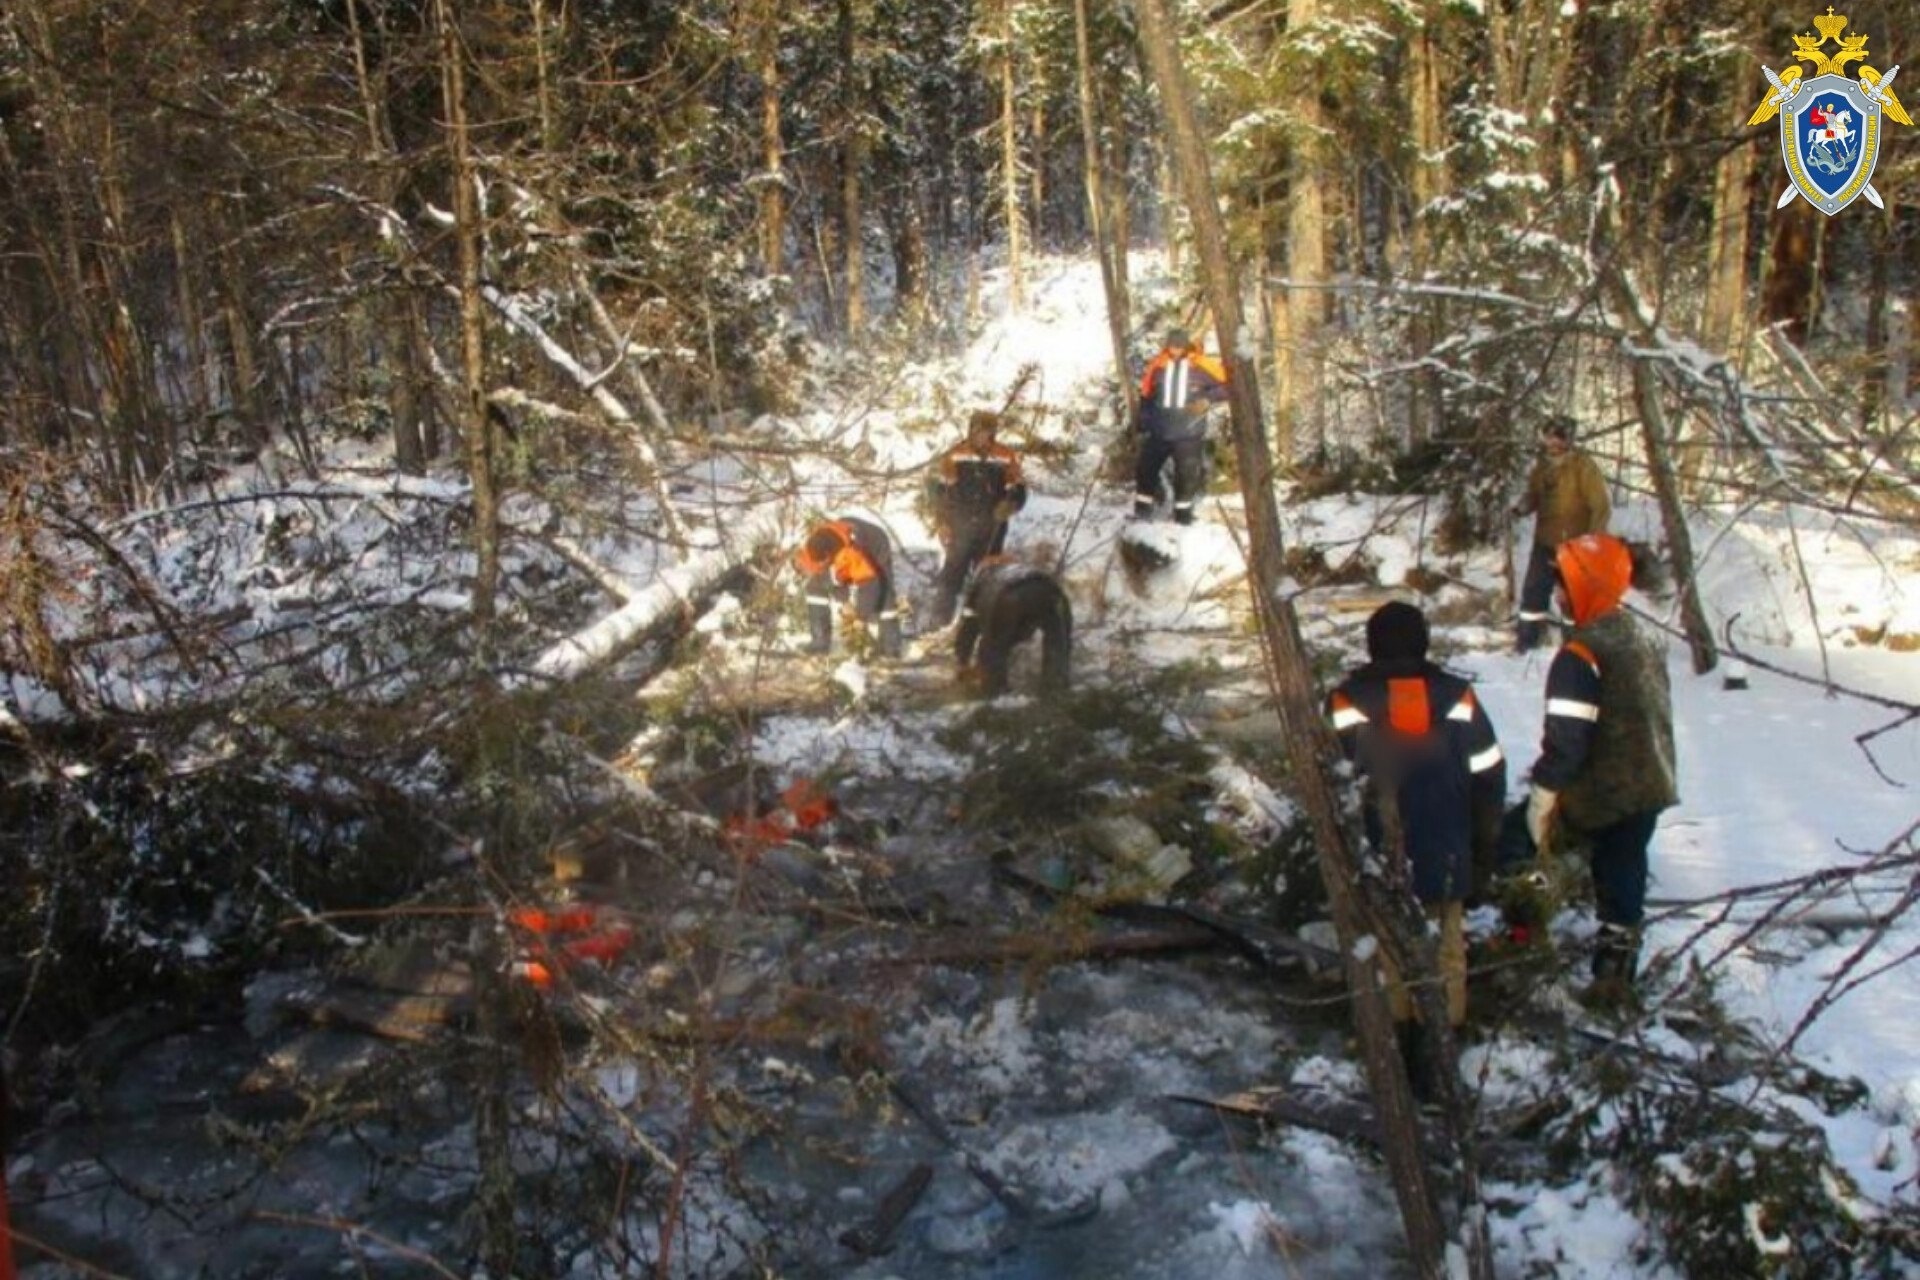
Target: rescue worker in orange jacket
x=976 y=488
x=1567 y=495
x=1177 y=388
x=1607 y=766
x=1419 y=731
x=849 y=561
x=1007 y=603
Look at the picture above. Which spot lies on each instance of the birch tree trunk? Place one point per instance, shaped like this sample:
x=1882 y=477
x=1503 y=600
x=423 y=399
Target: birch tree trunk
x=1112 y=256
x=475 y=425
x=1310 y=744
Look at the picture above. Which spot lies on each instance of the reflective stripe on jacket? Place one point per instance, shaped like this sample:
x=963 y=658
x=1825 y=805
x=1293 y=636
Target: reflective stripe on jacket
x=971 y=482
x=1175 y=390
x=1608 y=743
x=1420 y=730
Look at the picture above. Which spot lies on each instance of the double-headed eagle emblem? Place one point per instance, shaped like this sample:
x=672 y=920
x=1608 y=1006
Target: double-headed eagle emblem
x=1830 y=125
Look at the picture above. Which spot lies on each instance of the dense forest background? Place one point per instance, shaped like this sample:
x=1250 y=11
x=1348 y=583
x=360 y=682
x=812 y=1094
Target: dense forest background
x=568 y=269
x=230 y=220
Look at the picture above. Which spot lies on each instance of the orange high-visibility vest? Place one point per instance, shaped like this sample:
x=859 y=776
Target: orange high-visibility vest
x=851 y=566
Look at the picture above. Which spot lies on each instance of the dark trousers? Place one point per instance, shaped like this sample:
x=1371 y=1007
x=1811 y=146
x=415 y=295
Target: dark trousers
x=872 y=603
x=1536 y=596
x=1618 y=857
x=1189 y=458
x=973 y=541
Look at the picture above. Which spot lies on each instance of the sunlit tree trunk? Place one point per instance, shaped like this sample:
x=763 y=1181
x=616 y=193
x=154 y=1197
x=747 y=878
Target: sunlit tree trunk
x=543 y=82
x=852 y=160
x=1036 y=146
x=1111 y=254
x=475 y=425
x=1299 y=311
x=1310 y=745
x=1724 y=323
x=1425 y=101
x=1656 y=439
x=1010 y=158
x=773 y=212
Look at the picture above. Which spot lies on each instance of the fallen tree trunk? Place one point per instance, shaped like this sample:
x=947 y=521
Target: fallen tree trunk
x=1025 y=948
x=665 y=600
x=1349 y=1119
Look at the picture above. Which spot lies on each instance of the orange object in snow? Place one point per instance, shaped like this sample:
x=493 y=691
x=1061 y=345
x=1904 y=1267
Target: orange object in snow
x=580 y=933
x=603 y=948
x=535 y=974
x=805 y=806
x=809 y=804
x=565 y=920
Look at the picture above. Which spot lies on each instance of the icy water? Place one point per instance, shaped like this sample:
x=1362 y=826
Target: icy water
x=1052 y=1081
x=1059 y=1088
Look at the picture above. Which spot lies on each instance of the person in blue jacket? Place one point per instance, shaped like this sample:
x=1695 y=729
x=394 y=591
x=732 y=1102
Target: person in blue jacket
x=1418 y=733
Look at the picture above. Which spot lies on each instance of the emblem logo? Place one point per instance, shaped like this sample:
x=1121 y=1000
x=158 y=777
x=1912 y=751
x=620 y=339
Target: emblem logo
x=1830 y=126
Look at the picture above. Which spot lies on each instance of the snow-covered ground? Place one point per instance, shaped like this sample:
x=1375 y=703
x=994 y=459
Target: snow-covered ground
x=1779 y=779
x=1058 y=1089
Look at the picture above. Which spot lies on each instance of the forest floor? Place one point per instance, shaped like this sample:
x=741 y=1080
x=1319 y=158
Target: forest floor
x=1032 y=933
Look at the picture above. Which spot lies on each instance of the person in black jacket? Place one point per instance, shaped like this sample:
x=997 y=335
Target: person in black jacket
x=976 y=488
x=1420 y=732
x=1177 y=388
x=849 y=561
x=1007 y=603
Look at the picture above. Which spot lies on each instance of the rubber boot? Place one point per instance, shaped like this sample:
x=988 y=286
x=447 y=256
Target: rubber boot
x=1616 y=962
x=1416 y=1051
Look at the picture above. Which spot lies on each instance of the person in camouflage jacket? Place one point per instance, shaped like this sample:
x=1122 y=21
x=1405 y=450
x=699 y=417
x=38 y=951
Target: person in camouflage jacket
x=1007 y=603
x=1567 y=495
x=1606 y=767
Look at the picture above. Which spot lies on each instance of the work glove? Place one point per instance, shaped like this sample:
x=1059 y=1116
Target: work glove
x=1541 y=804
x=1002 y=511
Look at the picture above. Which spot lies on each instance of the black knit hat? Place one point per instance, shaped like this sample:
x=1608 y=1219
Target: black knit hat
x=1396 y=630
x=824 y=543
x=1558 y=427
